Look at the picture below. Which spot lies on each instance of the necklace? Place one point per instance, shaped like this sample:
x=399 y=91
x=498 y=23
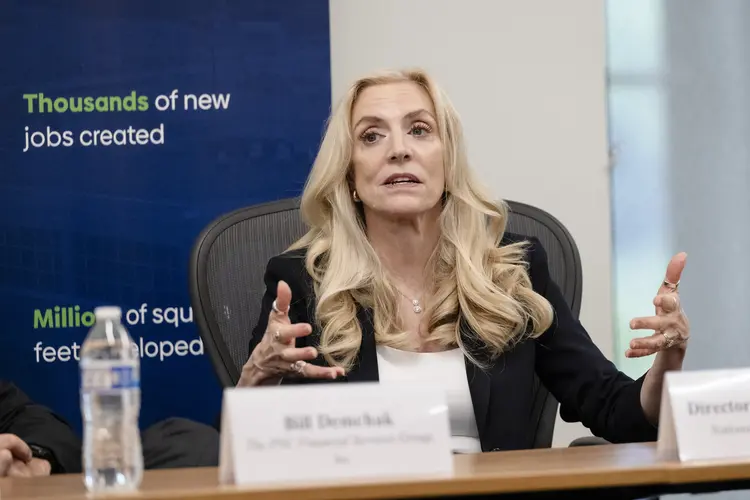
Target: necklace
x=415 y=303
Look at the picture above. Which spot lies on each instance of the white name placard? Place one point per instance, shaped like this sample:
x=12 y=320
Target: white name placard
x=705 y=415
x=327 y=432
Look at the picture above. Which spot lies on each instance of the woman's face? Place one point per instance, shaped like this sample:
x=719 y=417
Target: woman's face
x=398 y=155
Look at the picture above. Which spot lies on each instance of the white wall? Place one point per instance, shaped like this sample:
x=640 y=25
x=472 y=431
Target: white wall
x=528 y=77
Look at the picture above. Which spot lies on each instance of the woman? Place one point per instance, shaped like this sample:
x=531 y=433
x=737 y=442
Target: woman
x=407 y=273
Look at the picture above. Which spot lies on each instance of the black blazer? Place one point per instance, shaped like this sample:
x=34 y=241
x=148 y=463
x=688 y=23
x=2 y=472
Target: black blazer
x=39 y=426
x=588 y=386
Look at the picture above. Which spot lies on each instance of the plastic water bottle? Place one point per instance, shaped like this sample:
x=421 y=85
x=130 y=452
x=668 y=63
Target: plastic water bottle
x=110 y=404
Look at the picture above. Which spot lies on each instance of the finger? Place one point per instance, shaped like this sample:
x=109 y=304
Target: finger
x=652 y=343
x=668 y=302
x=655 y=323
x=18 y=448
x=280 y=304
x=285 y=334
x=283 y=298
x=674 y=272
x=292 y=354
x=315 y=371
x=639 y=353
x=6 y=460
x=39 y=467
x=19 y=469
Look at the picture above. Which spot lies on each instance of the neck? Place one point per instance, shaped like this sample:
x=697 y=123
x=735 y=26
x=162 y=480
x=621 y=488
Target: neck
x=404 y=246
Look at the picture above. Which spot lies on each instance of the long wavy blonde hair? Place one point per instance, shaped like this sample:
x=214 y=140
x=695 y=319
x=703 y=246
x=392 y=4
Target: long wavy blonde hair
x=481 y=292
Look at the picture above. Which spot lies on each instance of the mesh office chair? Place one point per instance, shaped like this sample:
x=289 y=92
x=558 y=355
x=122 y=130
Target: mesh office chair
x=230 y=256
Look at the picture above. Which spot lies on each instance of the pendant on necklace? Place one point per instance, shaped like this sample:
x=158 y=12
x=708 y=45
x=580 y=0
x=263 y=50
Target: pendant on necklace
x=417 y=306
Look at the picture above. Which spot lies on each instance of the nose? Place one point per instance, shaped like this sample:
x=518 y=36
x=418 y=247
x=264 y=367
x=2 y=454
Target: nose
x=400 y=153
x=399 y=156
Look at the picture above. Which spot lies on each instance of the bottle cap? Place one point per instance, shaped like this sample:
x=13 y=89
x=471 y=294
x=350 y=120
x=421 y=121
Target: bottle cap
x=108 y=312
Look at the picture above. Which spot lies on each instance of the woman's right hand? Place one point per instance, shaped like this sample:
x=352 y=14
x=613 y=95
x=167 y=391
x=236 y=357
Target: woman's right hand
x=276 y=356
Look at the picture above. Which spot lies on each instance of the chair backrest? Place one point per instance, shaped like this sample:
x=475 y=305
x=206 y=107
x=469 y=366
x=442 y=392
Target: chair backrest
x=230 y=256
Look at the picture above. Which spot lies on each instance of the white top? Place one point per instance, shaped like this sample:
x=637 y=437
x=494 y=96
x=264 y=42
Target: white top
x=447 y=369
x=108 y=312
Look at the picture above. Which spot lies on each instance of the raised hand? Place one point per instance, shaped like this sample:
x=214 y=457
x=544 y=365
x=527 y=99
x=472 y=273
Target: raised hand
x=670 y=324
x=276 y=357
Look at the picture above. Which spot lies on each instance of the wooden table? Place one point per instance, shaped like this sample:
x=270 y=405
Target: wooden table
x=556 y=469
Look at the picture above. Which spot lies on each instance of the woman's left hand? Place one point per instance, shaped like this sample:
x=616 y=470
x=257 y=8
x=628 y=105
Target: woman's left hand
x=670 y=324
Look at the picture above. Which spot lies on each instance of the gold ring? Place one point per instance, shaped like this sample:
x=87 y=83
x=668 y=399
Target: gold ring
x=670 y=341
x=671 y=286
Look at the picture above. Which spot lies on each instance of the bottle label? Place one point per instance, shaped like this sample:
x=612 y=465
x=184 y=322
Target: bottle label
x=110 y=377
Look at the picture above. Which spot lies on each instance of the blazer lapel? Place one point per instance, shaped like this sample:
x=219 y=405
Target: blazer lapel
x=366 y=368
x=479 y=387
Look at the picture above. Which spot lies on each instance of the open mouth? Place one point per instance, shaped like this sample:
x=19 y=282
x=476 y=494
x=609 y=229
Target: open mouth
x=401 y=180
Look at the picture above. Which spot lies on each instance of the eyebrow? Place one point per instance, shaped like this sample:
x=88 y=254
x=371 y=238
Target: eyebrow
x=409 y=116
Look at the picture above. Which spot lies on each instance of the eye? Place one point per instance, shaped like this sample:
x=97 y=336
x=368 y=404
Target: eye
x=369 y=136
x=420 y=129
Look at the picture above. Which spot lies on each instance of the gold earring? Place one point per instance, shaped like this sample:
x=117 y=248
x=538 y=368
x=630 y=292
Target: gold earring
x=354 y=196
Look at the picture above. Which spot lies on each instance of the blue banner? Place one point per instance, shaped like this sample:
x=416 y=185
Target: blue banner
x=126 y=127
